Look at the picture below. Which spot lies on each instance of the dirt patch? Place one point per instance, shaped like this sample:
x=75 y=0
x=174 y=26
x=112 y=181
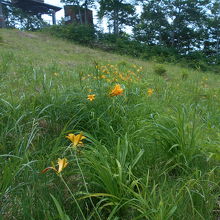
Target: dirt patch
x=26 y=34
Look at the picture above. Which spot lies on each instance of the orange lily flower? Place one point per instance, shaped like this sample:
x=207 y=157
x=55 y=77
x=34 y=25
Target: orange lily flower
x=150 y=92
x=62 y=163
x=91 y=97
x=116 y=91
x=76 y=139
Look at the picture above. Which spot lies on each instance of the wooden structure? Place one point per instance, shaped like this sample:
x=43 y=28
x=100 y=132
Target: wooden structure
x=76 y=14
x=33 y=7
x=2 y=20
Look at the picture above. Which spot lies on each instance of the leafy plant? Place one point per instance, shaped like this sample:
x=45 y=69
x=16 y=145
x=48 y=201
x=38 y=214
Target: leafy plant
x=160 y=70
x=62 y=214
x=179 y=136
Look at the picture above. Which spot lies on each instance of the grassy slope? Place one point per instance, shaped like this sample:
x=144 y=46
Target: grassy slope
x=42 y=99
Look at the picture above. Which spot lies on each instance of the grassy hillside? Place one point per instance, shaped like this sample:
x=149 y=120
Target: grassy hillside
x=146 y=149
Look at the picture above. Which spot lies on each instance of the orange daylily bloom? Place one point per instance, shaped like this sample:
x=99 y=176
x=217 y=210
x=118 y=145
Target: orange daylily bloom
x=116 y=91
x=150 y=92
x=76 y=139
x=91 y=97
x=62 y=163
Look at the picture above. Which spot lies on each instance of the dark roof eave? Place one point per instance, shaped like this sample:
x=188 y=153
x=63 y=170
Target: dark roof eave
x=53 y=7
x=33 y=3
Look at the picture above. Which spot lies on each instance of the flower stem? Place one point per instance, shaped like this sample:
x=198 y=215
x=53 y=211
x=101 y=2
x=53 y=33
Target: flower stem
x=77 y=162
x=74 y=198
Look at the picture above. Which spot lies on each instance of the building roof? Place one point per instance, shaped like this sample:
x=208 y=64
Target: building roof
x=35 y=6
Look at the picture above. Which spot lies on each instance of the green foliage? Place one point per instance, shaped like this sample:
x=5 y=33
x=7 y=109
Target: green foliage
x=80 y=3
x=82 y=34
x=17 y=18
x=184 y=31
x=5 y=61
x=189 y=27
x=122 y=44
x=179 y=135
x=118 y=12
x=152 y=23
x=185 y=75
x=62 y=214
x=160 y=70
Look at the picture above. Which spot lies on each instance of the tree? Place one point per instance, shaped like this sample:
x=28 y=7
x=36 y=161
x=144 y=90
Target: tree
x=212 y=44
x=17 y=18
x=152 y=27
x=118 y=12
x=81 y=3
x=173 y=23
x=187 y=23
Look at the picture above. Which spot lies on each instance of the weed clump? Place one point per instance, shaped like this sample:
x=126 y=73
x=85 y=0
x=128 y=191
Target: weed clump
x=185 y=76
x=160 y=70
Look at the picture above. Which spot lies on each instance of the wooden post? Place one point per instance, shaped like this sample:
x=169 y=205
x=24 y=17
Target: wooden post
x=2 y=19
x=54 y=17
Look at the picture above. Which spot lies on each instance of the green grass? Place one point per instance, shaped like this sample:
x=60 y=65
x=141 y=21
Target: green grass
x=145 y=157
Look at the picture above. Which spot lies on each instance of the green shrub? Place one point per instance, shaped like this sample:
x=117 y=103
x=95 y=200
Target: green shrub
x=83 y=34
x=180 y=135
x=160 y=70
x=185 y=76
x=124 y=44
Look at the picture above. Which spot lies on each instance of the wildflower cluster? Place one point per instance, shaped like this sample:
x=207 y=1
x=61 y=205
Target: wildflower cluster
x=117 y=90
x=116 y=73
x=76 y=141
x=104 y=75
